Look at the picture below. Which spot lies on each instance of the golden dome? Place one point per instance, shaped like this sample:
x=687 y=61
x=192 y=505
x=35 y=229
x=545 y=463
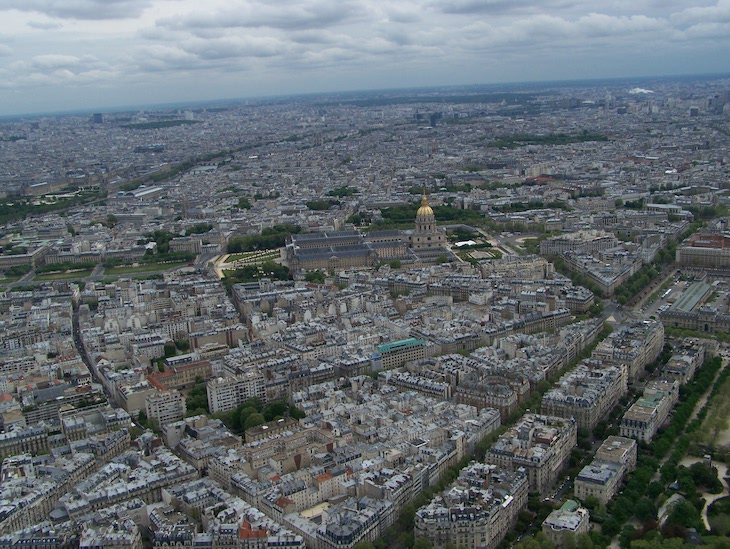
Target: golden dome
x=425 y=209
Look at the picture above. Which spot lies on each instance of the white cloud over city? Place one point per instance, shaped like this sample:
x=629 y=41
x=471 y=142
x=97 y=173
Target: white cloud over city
x=71 y=54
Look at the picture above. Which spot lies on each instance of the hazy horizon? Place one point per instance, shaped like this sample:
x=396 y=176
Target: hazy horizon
x=86 y=55
x=349 y=94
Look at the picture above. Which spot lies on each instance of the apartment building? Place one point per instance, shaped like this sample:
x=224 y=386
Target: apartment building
x=477 y=511
x=540 y=444
x=571 y=519
x=165 y=406
x=227 y=393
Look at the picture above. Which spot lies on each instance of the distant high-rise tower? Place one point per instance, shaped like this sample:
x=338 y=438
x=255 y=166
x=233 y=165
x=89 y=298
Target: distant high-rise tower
x=98 y=118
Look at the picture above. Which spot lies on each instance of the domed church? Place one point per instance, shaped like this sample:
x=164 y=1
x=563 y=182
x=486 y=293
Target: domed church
x=424 y=244
x=426 y=233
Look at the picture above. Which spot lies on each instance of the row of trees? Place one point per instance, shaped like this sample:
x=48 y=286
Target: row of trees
x=648 y=272
x=637 y=282
x=401 y=534
x=254 y=412
x=344 y=191
x=199 y=228
x=642 y=496
x=577 y=278
x=531 y=205
x=17 y=270
x=12 y=209
x=269 y=239
x=63 y=267
x=322 y=204
x=248 y=414
x=442 y=185
x=523 y=140
x=183 y=166
x=403 y=215
x=251 y=273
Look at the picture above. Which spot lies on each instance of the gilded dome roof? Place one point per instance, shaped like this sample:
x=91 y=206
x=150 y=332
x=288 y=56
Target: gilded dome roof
x=425 y=209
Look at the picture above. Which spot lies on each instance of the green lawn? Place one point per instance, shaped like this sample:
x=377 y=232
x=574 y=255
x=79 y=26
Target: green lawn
x=718 y=515
x=147 y=268
x=63 y=276
x=254 y=257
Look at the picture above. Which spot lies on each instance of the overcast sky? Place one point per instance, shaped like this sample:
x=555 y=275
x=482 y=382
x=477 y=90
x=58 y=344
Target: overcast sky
x=95 y=54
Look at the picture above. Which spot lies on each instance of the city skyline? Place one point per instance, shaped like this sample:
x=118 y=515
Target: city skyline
x=88 y=54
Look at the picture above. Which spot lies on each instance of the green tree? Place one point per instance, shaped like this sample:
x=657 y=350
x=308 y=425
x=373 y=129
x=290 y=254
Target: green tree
x=275 y=409
x=316 y=277
x=154 y=425
x=406 y=519
x=324 y=204
x=544 y=541
x=591 y=502
x=529 y=543
x=170 y=349
x=254 y=402
x=343 y=191
x=685 y=514
x=583 y=541
x=296 y=413
x=622 y=508
x=244 y=414
x=422 y=543
x=654 y=489
x=183 y=345
x=253 y=420
x=197 y=400
x=627 y=534
x=199 y=228
x=611 y=527
x=645 y=510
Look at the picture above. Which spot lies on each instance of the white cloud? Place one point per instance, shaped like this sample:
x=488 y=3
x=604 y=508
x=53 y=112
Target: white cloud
x=718 y=13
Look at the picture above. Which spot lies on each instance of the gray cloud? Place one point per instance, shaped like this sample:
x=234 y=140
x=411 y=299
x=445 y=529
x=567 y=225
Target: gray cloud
x=281 y=15
x=81 y=9
x=56 y=70
x=497 y=7
x=237 y=47
x=44 y=25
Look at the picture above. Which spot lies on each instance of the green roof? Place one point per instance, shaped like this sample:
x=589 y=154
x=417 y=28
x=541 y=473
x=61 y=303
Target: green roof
x=651 y=401
x=691 y=297
x=402 y=344
x=571 y=506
